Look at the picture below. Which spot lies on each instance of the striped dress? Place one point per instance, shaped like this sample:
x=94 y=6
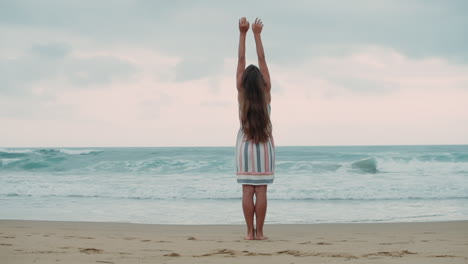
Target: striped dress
x=255 y=162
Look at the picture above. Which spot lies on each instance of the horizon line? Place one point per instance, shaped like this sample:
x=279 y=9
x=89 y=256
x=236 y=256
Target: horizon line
x=225 y=146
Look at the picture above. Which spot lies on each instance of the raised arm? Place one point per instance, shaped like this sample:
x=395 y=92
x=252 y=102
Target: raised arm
x=257 y=27
x=243 y=28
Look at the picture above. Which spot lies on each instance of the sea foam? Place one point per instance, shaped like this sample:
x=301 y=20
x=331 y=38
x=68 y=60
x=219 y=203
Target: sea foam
x=398 y=178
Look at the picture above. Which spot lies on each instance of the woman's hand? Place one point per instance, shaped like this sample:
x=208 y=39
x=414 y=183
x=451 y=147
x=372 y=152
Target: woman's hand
x=257 y=26
x=243 y=25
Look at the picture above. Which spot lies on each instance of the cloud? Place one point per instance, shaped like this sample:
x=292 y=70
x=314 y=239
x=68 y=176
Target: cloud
x=97 y=70
x=391 y=98
x=193 y=68
x=317 y=104
x=51 y=50
x=150 y=109
x=208 y=28
x=35 y=108
x=162 y=73
x=56 y=62
x=373 y=70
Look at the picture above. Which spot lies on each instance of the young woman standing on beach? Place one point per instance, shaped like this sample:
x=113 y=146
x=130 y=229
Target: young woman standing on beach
x=255 y=149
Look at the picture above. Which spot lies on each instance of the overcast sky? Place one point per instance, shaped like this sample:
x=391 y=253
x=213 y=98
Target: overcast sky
x=162 y=73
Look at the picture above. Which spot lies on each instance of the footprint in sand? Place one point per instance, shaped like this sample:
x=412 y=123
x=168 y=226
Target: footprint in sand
x=224 y=251
x=46 y=252
x=91 y=250
x=390 y=253
x=340 y=255
x=323 y=243
x=297 y=253
x=248 y=253
x=159 y=250
x=318 y=243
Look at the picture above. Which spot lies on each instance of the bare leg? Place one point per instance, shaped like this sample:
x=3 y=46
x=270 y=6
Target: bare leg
x=248 y=207
x=260 y=210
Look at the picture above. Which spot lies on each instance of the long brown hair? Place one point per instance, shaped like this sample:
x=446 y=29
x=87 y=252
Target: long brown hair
x=254 y=116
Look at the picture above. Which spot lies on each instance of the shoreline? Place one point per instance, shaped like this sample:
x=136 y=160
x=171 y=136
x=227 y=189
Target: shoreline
x=26 y=241
x=233 y=146
x=227 y=225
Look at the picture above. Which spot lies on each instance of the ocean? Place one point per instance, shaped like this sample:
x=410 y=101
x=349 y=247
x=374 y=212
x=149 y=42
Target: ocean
x=197 y=185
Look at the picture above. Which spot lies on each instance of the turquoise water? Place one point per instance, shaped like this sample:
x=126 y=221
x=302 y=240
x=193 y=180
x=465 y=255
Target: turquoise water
x=196 y=185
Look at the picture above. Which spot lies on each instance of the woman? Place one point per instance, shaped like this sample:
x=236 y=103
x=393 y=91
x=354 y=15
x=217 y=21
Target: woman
x=255 y=150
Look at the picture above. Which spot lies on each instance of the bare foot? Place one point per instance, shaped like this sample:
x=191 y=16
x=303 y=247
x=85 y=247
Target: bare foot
x=249 y=237
x=260 y=236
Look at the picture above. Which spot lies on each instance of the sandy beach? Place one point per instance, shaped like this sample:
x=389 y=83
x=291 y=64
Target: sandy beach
x=90 y=242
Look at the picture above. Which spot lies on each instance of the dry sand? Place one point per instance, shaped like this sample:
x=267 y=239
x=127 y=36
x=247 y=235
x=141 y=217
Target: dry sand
x=88 y=242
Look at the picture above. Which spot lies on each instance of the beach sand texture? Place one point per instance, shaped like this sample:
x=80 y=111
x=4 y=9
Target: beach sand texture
x=89 y=242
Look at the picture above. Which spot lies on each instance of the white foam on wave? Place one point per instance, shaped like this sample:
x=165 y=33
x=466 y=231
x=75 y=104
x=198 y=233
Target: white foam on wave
x=16 y=150
x=189 y=177
x=218 y=187
x=4 y=162
x=78 y=151
x=152 y=166
x=420 y=166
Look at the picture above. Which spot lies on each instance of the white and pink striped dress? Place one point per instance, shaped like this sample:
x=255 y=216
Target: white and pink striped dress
x=255 y=162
